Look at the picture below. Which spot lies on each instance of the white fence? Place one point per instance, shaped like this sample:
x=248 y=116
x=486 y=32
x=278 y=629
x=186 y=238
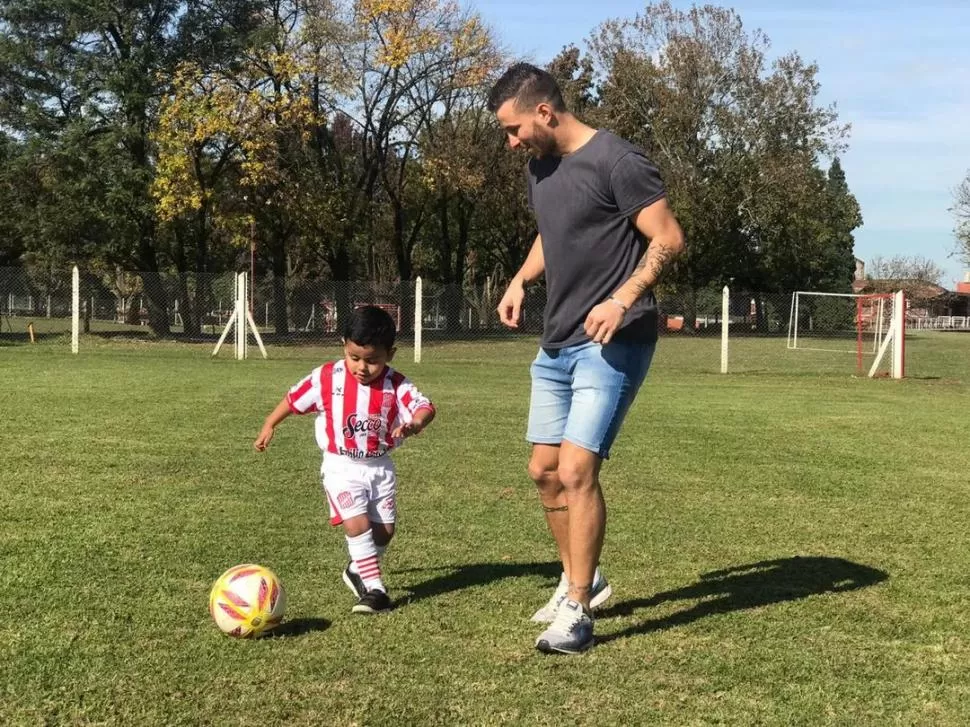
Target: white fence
x=939 y=323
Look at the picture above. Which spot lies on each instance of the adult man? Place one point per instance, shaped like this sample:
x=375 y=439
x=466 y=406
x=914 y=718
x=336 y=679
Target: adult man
x=605 y=235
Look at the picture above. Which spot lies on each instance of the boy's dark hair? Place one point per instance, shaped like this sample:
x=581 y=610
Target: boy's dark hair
x=370 y=326
x=529 y=86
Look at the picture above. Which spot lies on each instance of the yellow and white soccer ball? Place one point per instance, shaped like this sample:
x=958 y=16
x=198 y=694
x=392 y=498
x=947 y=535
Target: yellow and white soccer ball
x=247 y=600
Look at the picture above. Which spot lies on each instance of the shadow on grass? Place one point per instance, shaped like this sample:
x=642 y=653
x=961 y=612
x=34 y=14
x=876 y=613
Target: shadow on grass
x=748 y=586
x=298 y=627
x=476 y=574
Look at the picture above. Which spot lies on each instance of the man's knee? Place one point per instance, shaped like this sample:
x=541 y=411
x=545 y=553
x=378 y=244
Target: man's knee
x=545 y=476
x=577 y=473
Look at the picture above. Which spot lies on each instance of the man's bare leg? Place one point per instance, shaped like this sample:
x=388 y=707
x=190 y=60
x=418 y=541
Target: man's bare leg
x=544 y=471
x=578 y=475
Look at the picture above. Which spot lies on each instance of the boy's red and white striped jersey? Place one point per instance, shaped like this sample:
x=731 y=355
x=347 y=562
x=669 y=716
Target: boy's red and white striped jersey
x=356 y=420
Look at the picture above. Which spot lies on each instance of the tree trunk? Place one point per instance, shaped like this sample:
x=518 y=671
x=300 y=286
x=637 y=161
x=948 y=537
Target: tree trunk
x=188 y=309
x=405 y=270
x=690 y=311
x=280 y=310
x=451 y=297
x=339 y=261
x=154 y=292
x=192 y=308
x=133 y=314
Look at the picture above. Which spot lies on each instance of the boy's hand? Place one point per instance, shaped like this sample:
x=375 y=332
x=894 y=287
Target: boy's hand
x=263 y=440
x=407 y=430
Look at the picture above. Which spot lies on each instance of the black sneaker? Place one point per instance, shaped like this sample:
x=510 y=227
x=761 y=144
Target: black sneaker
x=374 y=601
x=354 y=582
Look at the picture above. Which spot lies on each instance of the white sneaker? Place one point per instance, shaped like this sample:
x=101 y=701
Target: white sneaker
x=548 y=612
x=600 y=591
x=571 y=632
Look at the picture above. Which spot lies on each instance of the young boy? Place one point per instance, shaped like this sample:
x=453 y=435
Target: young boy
x=365 y=409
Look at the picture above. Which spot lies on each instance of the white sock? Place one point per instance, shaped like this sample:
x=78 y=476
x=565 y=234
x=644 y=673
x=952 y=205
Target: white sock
x=364 y=554
x=380 y=556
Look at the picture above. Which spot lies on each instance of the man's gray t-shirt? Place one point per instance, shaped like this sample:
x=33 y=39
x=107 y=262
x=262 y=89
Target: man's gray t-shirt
x=584 y=204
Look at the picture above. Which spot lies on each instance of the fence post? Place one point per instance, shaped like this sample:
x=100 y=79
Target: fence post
x=725 y=324
x=418 y=315
x=75 y=308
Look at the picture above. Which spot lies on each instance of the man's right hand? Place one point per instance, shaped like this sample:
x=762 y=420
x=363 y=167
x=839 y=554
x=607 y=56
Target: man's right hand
x=510 y=307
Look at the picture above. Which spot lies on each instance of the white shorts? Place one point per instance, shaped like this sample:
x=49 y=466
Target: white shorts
x=359 y=486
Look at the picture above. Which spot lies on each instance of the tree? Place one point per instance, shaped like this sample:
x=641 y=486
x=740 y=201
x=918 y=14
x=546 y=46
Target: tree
x=903 y=268
x=429 y=54
x=82 y=79
x=842 y=216
x=961 y=209
x=736 y=140
x=412 y=60
x=11 y=241
x=575 y=74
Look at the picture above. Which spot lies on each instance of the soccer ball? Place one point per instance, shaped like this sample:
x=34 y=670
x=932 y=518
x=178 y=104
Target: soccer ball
x=247 y=600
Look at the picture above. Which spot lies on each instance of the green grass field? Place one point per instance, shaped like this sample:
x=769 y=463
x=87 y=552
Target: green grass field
x=788 y=545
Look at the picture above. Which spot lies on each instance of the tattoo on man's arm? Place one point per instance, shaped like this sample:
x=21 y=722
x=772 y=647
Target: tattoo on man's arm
x=655 y=258
x=659 y=260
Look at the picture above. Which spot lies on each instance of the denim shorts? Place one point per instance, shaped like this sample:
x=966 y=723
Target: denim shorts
x=582 y=393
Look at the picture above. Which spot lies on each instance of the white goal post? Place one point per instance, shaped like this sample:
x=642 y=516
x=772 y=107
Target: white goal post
x=872 y=324
x=894 y=342
x=242 y=319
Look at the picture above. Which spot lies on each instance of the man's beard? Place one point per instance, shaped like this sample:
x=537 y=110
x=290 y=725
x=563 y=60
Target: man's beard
x=543 y=142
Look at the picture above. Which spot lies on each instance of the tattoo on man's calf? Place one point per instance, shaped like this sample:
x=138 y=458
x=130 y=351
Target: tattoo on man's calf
x=555 y=509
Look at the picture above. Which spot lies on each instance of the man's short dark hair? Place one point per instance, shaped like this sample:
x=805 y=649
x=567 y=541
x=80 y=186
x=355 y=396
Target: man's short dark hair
x=370 y=326
x=529 y=86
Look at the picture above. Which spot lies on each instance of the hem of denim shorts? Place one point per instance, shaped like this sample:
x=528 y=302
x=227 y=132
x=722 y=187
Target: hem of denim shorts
x=538 y=440
x=598 y=451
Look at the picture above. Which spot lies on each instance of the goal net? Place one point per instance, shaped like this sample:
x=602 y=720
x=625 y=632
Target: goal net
x=871 y=326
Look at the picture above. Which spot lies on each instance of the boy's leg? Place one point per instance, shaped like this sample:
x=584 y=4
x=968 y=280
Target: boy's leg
x=383 y=532
x=381 y=514
x=347 y=485
x=365 y=558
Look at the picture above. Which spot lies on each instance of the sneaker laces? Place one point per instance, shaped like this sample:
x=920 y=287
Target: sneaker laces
x=558 y=596
x=567 y=619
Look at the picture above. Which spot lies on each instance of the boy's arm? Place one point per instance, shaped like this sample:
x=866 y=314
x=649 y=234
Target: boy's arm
x=421 y=419
x=278 y=414
x=303 y=398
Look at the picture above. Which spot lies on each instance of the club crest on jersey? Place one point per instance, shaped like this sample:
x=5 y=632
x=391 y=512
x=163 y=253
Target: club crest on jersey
x=345 y=499
x=355 y=425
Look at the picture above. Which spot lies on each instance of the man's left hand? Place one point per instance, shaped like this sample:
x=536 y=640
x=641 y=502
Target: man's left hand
x=603 y=321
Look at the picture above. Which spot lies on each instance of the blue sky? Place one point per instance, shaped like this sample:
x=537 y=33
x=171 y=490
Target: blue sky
x=899 y=75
